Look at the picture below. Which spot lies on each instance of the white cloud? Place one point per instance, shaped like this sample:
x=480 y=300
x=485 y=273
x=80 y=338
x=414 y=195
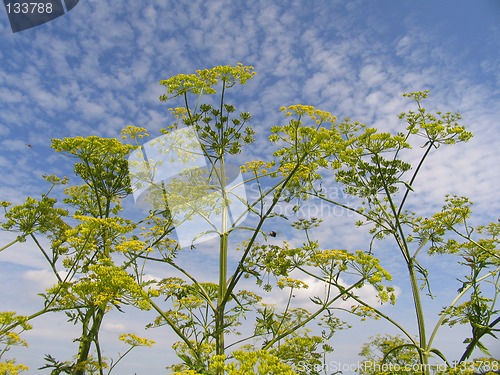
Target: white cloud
x=25 y=253
x=114 y=327
x=43 y=279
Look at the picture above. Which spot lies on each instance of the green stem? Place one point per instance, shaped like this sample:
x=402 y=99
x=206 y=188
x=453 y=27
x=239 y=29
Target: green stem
x=431 y=144
x=219 y=322
x=84 y=347
x=417 y=302
x=486 y=327
x=424 y=357
x=349 y=208
x=11 y=243
x=221 y=300
x=361 y=302
x=386 y=317
x=88 y=337
x=119 y=359
x=174 y=327
x=453 y=303
x=240 y=269
x=311 y=317
x=51 y=263
x=475 y=243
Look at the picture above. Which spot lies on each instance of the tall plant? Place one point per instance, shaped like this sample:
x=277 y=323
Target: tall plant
x=203 y=313
x=100 y=259
x=371 y=166
x=88 y=280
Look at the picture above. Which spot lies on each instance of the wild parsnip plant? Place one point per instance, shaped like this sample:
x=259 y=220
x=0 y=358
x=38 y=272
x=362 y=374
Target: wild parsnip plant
x=99 y=258
x=84 y=236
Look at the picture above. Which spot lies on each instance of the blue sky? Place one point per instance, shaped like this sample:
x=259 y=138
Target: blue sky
x=97 y=69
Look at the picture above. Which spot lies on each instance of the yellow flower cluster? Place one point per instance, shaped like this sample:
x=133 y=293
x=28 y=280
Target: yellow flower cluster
x=179 y=112
x=134 y=133
x=288 y=282
x=229 y=74
x=11 y=368
x=186 y=372
x=106 y=284
x=371 y=268
x=257 y=167
x=250 y=363
x=364 y=312
x=202 y=81
x=115 y=224
x=339 y=257
x=92 y=146
x=132 y=246
x=134 y=340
